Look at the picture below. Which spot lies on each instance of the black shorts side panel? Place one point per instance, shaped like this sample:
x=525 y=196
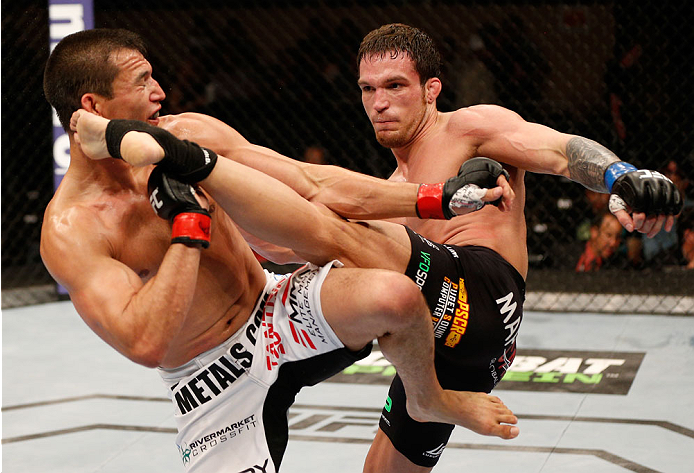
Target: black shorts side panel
x=292 y=377
x=476 y=299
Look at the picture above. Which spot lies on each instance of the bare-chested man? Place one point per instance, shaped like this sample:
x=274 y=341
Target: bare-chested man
x=233 y=342
x=471 y=269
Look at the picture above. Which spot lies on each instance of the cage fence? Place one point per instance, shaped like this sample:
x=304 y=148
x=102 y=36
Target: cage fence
x=284 y=75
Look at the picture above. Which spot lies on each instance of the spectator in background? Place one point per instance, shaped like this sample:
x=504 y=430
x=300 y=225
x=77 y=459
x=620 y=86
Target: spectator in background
x=681 y=255
x=685 y=235
x=597 y=204
x=630 y=248
x=605 y=236
x=667 y=242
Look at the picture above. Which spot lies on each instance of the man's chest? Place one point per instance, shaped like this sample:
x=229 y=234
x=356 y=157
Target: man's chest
x=139 y=239
x=433 y=162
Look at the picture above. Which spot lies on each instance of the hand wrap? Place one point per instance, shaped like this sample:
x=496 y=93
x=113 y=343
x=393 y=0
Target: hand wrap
x=184 y=159
x=642 y=190
x=175 y=201
x=435 y=200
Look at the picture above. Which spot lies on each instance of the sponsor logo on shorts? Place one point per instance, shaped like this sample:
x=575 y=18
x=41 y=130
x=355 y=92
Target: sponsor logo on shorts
x=444 y=311
x=532 y=370
x=507 y=310
x=273 y=348
x=220 y=374
x=499 y=366
x=185 y=453
x=257 y=468
x=422 y=273
x=212 y=440
x=460 y=318
x=424 y=240
x=304 y=326
x=452 y=251
x=272 y=339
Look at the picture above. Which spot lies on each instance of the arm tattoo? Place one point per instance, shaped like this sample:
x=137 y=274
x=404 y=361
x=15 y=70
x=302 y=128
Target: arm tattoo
x=588 y=162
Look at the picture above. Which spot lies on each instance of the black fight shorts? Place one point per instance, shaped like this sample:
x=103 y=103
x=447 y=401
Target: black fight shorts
x=476 y=300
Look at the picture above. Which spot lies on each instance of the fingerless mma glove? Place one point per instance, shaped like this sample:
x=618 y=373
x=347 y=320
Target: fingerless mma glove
x=174 y=200
x=184 y=159
x=643 y=190
x=433 y=200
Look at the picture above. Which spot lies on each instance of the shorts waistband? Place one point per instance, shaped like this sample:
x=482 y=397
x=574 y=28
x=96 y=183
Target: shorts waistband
x=173 y=375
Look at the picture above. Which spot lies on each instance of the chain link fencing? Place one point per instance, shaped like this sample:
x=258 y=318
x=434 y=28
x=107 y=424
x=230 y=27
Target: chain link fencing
x=283 y=74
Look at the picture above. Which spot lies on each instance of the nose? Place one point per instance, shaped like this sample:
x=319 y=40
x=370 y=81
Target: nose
x=381 y=101
x=158 y=93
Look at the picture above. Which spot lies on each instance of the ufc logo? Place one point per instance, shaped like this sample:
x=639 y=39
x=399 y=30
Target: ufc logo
x=154 y=202
x=646 y=174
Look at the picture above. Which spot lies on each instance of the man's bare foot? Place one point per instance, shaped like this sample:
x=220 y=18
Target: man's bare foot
x=136 y=148
x=479 y=412
x=90 y=133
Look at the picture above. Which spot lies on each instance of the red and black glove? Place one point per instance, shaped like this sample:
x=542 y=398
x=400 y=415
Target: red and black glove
x=174 y=200
x=434 y=200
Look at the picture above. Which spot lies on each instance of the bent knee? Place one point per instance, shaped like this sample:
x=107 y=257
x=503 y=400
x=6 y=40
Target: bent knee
x=402 y=298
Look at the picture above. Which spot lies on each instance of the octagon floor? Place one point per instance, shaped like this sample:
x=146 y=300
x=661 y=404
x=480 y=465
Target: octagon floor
x=594 y=393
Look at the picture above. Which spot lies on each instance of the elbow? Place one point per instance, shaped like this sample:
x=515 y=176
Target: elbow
x=147 y=353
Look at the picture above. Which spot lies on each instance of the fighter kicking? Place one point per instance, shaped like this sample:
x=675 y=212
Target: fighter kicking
x=193 y=301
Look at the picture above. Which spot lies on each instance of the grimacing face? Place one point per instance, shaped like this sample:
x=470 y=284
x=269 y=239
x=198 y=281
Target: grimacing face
x=393 y=98
x=136 y=95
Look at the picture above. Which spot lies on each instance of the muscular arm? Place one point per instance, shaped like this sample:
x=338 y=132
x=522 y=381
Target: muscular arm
x=587 y=162
x=139 y=320
x=503 y=135
x=350 y=194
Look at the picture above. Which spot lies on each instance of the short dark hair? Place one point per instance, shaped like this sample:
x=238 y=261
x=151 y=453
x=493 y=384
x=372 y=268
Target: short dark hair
x=80 y=64
x=397 y=38
x=600 y=217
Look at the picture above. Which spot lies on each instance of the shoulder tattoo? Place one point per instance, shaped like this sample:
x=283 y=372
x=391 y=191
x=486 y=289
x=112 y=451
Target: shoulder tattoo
x=588 y=162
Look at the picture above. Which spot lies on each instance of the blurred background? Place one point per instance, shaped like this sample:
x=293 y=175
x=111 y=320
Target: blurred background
x=284 y=75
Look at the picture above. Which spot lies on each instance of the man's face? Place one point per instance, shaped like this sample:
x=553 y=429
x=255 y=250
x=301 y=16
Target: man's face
x=606 y=238
x=393 y=98
x=136 y=95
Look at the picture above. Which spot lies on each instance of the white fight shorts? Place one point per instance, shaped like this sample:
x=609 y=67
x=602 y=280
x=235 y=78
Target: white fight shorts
x=231 y=402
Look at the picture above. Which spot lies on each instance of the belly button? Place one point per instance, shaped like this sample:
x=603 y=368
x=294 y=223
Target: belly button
x=143 y=273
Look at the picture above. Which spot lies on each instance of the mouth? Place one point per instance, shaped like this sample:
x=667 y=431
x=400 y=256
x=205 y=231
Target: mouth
x=380 y=124
x=154 y=117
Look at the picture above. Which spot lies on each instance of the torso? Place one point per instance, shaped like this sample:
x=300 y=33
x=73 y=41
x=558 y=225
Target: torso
x=437 y=155
x=229 y=278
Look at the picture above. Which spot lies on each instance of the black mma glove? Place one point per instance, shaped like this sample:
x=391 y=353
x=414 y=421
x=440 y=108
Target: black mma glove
x=463 y=191
x=642 y=190
x=183 y=159
x=175 y=201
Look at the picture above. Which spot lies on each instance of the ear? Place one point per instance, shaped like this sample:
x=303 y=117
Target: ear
x=92 y=103
x=433 y=89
